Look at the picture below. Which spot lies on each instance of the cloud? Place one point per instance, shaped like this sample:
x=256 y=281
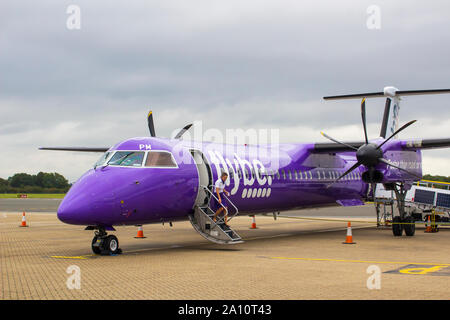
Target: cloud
x=231 y=64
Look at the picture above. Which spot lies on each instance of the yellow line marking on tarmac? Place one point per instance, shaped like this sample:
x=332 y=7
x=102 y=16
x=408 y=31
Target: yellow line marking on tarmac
x=326 y=219
x=74 y=257
x=358 y=221
x=363 y=261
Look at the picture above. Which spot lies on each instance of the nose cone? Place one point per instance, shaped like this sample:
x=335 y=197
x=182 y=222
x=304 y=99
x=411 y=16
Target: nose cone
x=74 y=209
x=78 y=205
x=91 y=200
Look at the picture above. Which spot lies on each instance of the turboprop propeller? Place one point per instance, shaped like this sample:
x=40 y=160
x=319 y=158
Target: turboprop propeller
x=370 y=154
x=151 y=127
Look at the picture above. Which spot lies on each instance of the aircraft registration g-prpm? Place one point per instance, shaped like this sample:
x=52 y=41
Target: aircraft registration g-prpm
x=149 y=180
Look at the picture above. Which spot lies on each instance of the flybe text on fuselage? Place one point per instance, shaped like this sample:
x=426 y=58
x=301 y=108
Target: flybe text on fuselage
x=240 y=170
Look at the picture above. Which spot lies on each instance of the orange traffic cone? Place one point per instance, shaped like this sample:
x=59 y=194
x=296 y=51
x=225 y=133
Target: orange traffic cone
x=140 y=233
x=429 y=229
x=349 y=239
x=24 y=221
x=253 y=223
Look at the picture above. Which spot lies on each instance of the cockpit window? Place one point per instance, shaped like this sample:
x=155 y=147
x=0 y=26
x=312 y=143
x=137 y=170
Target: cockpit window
x=160 y=159
x=127 y=159
x=102 y=159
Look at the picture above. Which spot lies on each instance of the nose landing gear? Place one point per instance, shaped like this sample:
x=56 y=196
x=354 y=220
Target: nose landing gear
x=105 y=244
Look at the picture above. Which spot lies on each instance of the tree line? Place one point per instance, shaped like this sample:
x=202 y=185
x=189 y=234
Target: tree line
x=436 y=178
x=43 y=182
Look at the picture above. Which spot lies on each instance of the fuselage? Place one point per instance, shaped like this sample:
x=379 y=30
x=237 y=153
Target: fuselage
x=148 y=180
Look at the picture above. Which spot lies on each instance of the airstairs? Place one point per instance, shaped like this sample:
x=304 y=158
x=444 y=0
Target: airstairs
x=217 y=232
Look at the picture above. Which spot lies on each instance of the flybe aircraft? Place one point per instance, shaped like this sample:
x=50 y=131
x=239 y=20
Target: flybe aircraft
x=152 y=180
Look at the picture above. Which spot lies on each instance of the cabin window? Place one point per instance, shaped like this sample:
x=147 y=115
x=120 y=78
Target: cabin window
x=278 y=174
x=300 y=174
x=160 y=159
x=295 y=175
x=127 y=159
x=310 y=175
x=284 y=174
x=290 y=174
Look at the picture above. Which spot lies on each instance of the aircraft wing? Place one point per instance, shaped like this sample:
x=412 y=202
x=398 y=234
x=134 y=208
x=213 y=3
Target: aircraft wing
x=336 y=147
x=408 y=144
x=80 y=149
x=427 y=143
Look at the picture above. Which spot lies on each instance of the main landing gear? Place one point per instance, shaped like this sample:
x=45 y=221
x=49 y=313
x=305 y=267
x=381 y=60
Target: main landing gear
x=404 y=221
x=105 y=244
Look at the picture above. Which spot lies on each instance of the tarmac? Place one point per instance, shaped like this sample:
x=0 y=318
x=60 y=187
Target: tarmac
x=29 y=205
x=287 y=258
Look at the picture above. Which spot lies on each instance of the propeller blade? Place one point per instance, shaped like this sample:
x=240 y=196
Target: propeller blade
x=81 y=149
x=334 y=140
x=182 y=131
x=396 y=132
x=394 y=166
x=363 y=116
x=151 y=126
x=356 y=165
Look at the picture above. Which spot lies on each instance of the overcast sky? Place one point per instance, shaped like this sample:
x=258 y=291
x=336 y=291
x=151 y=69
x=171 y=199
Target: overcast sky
x=229 y=63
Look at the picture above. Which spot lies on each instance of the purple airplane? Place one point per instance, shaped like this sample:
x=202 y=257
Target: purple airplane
x=153 y=180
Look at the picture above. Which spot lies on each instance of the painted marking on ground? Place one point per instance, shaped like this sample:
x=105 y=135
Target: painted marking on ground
x=364 y=261
x=302 y=232
x=328 y=219
x=421 y=269
x=73 y=257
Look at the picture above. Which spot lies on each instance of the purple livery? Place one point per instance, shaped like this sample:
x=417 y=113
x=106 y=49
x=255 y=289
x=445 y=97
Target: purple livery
x=152 y=180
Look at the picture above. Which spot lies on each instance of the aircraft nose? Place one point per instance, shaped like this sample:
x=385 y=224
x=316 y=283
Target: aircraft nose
x=73 y=210
x=89 y=201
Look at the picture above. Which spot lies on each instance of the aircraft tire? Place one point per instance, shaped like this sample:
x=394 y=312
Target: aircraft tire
x=96 y=250
x=410 y=229
x=397 y=229
x=110 y=245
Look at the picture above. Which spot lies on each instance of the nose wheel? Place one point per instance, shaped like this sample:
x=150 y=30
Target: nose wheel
x=105 y=244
